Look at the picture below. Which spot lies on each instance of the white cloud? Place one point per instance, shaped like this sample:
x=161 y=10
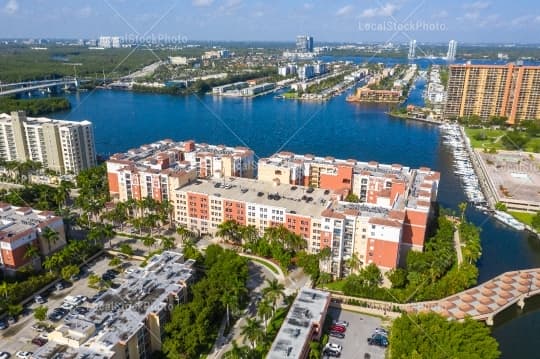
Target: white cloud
x=308 y=6
x=345 y=10
x=202 y=3
x=477 y=5
x=258 y=13
x=522 y=20
x=230 y=5
x=85 y=11
x=388 y=9
x=471 y=15
x=11 y=7
x=440 y=15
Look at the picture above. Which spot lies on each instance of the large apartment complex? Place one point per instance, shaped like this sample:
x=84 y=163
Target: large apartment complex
x=155 y=170
x=20 y=229
x=129 y=321
x=306 y=194
x=62 y=146
x=494 y=90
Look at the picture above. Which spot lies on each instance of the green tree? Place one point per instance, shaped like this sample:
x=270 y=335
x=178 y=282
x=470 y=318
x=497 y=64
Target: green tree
x=229 y=230
x=536 y=221
x=435 y=337
x=50 y=236
x=252 y=331
x=273 y=291
x=126 y=249
x=167 y=243
x=264 y=312
x=40 y=313
x=351 y=197
x=69 y=271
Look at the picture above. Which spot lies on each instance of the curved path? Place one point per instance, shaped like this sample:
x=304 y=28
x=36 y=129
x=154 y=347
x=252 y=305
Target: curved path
x=482 y=302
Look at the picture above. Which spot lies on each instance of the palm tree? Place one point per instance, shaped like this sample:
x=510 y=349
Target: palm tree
x=462 y=208
x=4 y=290
x=236 y=352
x=252 y=331
x=229 y=230
x=354 y=262
x=32 y=252
x=51 y=236
x=273 y=291
x=108 y=232
x=184 y=233
x=149 y=241
x=249 y=234
x=167 y=243
x=264 y=311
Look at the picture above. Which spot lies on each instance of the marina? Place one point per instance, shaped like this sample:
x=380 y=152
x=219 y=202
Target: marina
x=462 y=164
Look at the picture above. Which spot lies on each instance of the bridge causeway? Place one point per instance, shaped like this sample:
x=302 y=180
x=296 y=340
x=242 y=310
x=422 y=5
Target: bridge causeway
x=21 y=87
x=482 y=302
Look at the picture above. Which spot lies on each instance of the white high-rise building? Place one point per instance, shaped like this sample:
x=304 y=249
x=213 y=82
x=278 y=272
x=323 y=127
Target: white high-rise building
x=412 y=50
x=109 y=42
x=452 y=48
x=62 y=146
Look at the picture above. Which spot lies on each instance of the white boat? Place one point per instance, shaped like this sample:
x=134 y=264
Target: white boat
x=509 y=220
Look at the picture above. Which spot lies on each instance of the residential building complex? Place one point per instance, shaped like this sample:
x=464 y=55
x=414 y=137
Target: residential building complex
x=494 y=90
x=20 y=229
x=127 y=322
x=303 y=324
x=155 y=170
x=62 y=146
x=452 y=49
x=306 y=195
x=109 y=42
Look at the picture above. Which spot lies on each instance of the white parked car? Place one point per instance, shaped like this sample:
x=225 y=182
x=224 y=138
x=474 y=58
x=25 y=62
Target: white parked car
x=334 y=346
x=342 y=323
x=24 y=355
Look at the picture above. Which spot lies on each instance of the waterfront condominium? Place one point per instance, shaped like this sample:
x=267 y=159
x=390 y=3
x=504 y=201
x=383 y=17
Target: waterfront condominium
x=494 y=90
x=61 y=146
x=21 y=228
x=156 y=169
x=306 y=194
x=129 y=321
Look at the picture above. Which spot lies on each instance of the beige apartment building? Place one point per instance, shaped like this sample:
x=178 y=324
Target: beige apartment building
x=494 y=90
x=61 y=146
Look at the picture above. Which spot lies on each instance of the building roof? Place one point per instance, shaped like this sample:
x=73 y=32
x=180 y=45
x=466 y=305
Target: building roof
x=16 y=222
x=308 y=309
x=120 y=312
x=293 y=199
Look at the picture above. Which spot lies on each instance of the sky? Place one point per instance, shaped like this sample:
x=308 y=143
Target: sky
x=516 y=21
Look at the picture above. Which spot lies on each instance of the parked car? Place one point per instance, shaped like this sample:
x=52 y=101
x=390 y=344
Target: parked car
x=333 y=346
x=23 y=355
x=59 y=286
x=343 y=323
x=39 y=341
x=3 y=325
x=80 y=310
x=5 y=355
x=338 y=328
x=381 y=331
x=12 y=320
x=378 y=340
x=331 y=353
x=336 y=334
x=39 y=299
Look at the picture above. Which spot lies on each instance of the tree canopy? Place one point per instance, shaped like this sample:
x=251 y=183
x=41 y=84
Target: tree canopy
x=431 y=336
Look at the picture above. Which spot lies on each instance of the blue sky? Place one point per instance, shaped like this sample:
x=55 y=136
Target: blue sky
x=276 y=20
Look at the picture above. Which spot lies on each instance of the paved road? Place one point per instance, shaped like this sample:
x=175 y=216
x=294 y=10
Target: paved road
x=19 y=335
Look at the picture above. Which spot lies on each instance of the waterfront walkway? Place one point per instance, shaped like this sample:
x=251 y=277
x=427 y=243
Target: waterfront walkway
x=482 y=302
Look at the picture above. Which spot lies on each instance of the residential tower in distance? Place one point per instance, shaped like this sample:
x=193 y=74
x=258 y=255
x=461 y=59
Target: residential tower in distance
x=304 y=43
x=61 y=146
x=452 y=49
x=494 y=90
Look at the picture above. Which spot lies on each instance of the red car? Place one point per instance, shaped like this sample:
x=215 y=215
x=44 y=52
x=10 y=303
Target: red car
x=338 y=328
x=39 y=341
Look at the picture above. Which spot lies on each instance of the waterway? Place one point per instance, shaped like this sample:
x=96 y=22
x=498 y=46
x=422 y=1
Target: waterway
x=124 y=120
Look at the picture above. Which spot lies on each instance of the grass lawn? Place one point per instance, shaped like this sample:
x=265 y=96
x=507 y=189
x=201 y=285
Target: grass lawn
x=336 y=286
x=291 y=95
x=492 y=136
x=267 y=265
x=523 y=217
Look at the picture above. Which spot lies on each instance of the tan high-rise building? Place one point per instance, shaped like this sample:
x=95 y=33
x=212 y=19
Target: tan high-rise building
x=494 y=90
x=62 y=146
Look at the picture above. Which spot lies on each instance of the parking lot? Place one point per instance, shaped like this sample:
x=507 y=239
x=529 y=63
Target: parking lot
x=355 y=342
x=19 y=335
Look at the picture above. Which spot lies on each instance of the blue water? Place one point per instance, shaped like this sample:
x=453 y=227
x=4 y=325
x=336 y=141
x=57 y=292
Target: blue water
x=123 y=120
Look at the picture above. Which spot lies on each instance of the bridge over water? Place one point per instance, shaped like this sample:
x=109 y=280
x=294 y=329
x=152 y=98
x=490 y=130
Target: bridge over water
x=482 y=302
x=29 y=86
